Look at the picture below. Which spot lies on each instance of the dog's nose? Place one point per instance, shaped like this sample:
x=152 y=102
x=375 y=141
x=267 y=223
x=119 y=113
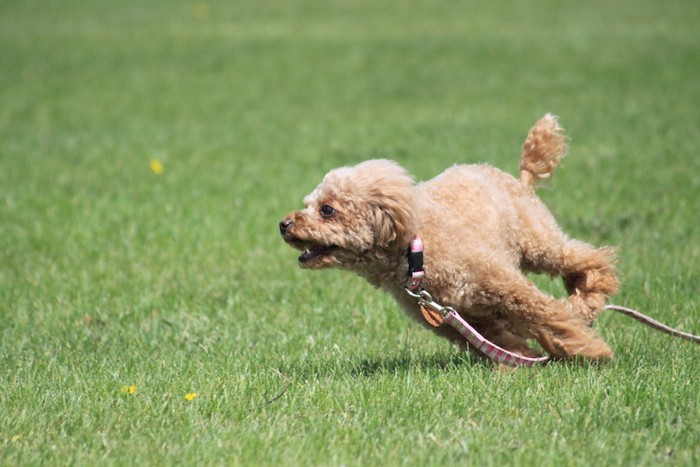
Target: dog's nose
x=283 y=226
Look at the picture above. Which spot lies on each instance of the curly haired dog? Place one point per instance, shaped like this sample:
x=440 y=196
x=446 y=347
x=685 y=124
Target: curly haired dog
x=482 y=229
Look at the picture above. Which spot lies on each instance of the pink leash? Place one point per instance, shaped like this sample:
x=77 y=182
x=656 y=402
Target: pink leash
x=488 y=348
x=416 y=274
x=502 y=356
x=475 y=339
x=653 y=323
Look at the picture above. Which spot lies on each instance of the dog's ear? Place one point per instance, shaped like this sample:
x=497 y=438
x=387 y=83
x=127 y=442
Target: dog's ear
x=393 y=225
x=391 y=196
x=387 y=193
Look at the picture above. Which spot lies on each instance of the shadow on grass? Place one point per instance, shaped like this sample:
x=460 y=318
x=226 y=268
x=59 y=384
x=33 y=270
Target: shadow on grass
x=371 y=366
x=405 y=363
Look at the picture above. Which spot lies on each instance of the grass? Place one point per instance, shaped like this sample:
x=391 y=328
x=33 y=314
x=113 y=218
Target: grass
x=112 y=276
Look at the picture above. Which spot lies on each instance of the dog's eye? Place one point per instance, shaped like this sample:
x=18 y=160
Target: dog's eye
x=327 y=211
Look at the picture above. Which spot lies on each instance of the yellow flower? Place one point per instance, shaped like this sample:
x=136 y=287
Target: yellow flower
x=190 y=396
x=129 y=389
x=156 y=166
x=201 y=10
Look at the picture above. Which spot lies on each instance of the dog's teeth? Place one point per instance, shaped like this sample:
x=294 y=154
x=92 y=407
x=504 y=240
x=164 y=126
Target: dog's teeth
x=305 y=255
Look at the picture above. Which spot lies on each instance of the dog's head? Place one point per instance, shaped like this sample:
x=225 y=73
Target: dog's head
x=354 y=213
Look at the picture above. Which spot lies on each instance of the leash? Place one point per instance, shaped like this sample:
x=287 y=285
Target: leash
x=490 y=350
x=653 y=323
x=436 y=314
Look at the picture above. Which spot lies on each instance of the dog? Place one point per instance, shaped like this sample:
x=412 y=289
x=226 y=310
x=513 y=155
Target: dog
x=483 y=230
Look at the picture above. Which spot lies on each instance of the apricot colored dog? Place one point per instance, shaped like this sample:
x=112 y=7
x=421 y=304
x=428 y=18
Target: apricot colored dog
x=482 y=230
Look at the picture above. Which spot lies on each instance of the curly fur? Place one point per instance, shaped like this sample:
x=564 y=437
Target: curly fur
x=482 y=230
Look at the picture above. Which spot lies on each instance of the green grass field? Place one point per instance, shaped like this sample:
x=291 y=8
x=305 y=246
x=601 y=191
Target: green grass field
x=113 y=275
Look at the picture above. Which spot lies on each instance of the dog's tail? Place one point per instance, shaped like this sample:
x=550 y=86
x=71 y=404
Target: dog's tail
x=544 y=147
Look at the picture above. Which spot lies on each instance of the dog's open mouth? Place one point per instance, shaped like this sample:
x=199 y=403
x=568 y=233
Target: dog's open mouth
x=313 y=255
x=315 y=252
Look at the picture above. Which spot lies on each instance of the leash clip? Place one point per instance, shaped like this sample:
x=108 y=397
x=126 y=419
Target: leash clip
x=426 y=300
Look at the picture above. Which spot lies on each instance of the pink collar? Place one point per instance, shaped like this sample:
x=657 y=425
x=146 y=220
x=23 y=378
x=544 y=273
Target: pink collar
x=415 y=264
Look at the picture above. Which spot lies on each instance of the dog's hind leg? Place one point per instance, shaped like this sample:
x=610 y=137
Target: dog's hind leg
x=588 y=272
x=589 y=277
x=555 y=324
x=564 y=334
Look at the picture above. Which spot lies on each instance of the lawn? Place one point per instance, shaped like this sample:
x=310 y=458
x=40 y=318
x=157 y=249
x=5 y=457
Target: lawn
x=149 y=149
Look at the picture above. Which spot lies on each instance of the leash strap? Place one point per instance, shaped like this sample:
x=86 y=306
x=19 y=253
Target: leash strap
x=505 y=357
x=488 y=348
x=653 y=323
x=450 y=316
x=436 y=314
